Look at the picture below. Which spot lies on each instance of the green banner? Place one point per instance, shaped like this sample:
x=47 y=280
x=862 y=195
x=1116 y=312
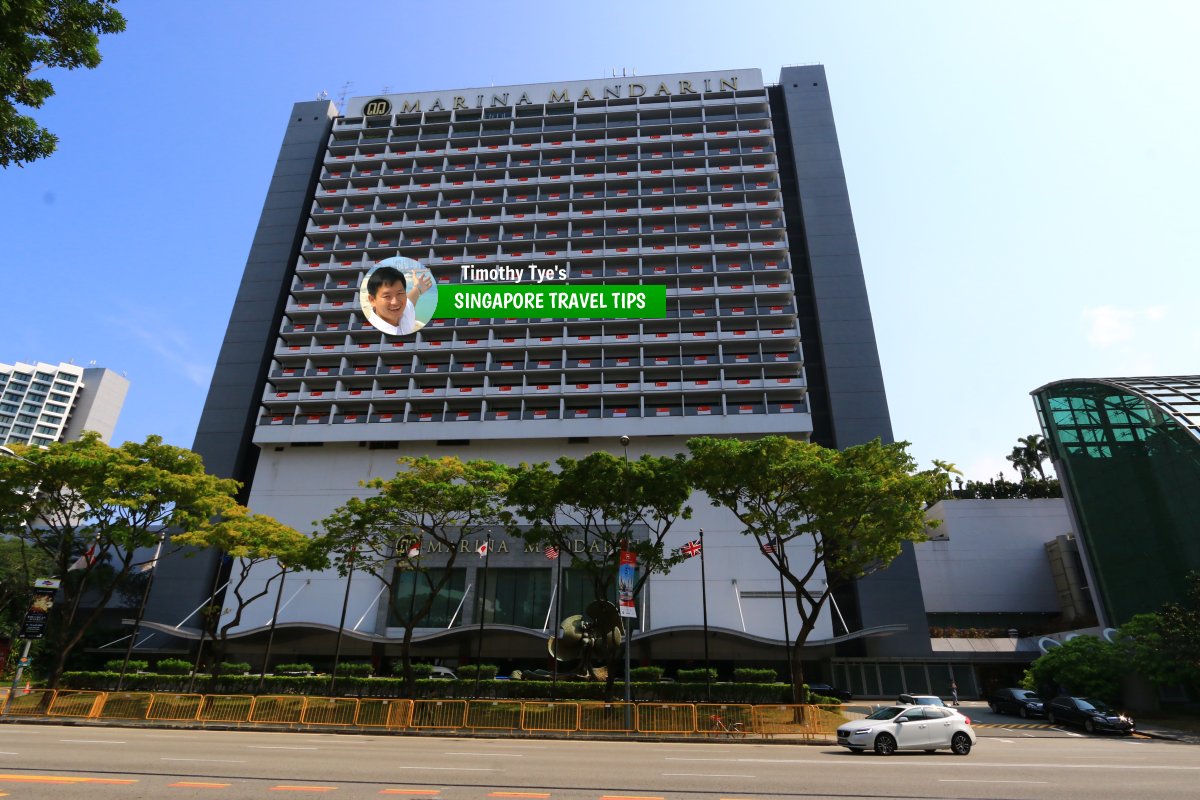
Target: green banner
x=527 y=301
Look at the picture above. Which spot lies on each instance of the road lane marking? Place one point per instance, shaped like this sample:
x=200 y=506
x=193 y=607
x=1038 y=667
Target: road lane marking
x=60 y=779
x=6 y=753
x=207 y=760
x=509 y=755
x=277 y=747
x=90 y=741
x=195 y=785
x=454 y=769
x=964 y=780
x=705 y=775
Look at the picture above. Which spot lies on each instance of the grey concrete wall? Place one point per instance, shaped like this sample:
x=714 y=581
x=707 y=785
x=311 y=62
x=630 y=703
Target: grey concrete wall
x=98 y=405
x=856 y=402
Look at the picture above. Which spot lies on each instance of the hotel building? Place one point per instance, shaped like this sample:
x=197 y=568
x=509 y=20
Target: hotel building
x=726 y=190
x=45 y=403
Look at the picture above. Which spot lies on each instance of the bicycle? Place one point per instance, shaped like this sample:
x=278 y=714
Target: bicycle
x=733 y=730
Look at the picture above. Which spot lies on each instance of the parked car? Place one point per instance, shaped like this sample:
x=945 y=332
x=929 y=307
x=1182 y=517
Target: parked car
x=825 y=690
x=919 y=700
x=443 y=672
x=1094 y=715
x=909 y=727
x=1022 y=702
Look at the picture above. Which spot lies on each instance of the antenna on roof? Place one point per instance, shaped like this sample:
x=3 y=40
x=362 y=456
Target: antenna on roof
x=341 y=101
x=386 y=90
x=322 y=95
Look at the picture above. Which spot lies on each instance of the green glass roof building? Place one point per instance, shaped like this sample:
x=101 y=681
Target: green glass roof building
x=1128 y=453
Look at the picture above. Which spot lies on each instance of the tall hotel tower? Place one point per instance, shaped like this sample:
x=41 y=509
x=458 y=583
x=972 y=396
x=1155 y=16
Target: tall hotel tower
x=727 y=191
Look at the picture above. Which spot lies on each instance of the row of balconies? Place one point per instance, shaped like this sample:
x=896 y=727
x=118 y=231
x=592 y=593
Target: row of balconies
x=464 y=385
x=719 y=242
x=694 y=264
x=333 y=185
x=333 y=294
x=760 y=187
x=448 y=229
x=589 y=364
x=420 y=162
x=512 y=412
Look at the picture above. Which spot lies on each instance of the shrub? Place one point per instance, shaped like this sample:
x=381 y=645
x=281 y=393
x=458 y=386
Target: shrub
x=232 y=668
x=695 y=675
x=355 y=668
x=1086 y=665
x=419 y=670
x=650 y=674
x=291 y=669
x=133 y=666
x=173 y=666
x=754 y=675
x=468 y=672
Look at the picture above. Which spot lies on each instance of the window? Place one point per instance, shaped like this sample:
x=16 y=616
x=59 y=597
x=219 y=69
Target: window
x=410 y=590
x=519 y=597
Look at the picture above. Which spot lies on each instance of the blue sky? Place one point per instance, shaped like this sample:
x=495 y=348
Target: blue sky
x=1024 y=178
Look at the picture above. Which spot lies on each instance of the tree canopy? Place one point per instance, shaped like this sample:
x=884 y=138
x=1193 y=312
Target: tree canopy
x=609 y=504
x=88 y=507
x=815 y=510
x=36 y=35
x=439 y=501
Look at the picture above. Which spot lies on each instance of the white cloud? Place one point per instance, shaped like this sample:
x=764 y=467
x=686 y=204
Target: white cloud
x=1110 y=325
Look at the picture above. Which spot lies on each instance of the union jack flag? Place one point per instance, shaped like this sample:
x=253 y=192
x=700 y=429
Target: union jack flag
x=691 y=549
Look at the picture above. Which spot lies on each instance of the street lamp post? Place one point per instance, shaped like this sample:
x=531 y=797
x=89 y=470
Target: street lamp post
x=628 y=628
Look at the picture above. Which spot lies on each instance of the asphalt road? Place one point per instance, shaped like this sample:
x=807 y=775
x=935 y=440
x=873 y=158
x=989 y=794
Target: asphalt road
x=65 y=762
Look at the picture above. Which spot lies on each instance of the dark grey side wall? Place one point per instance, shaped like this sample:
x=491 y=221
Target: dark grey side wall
x=856 y=403
x=223 y=438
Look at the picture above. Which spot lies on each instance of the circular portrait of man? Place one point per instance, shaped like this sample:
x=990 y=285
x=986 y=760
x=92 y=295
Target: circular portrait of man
x=398 y=296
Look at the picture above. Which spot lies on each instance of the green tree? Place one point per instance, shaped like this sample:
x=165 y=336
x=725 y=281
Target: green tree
x=1086 y=666
x=1165 y=646
x=88 y=507
x=36 y=35
x=431 y=503
x=19 y=567
x=609 y=504
x=255 y=543
x=845 y=513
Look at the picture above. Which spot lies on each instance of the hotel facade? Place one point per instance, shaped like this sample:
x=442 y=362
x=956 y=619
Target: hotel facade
x=725 y=190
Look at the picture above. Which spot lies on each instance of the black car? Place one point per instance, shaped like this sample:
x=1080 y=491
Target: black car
x=1093 y=715
x=825 y=690
x=1022 y=702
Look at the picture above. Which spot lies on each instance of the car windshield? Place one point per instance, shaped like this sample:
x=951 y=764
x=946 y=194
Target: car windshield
x=886 y=713
x=1027 y=695
x=1088 y=704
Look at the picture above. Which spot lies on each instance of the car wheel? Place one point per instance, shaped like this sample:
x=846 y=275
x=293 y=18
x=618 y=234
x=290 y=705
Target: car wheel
x=1089 y=726
x=885 y=745
x=960 y=744
x=1024 y=712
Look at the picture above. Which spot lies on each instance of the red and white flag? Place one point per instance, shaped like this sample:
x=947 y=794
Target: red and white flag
x=414 y=549
x=85 y=560
x=550 y=551
x=691 y=549
x=482 y=550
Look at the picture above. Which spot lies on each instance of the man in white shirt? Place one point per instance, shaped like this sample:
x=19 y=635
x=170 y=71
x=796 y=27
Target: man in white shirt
x=393 y=303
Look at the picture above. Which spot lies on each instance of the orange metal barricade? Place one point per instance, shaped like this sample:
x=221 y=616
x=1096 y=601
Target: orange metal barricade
x=729 y=715
x=549 y=716
x=175 y=707
x=126 y=705
x=34 y=704
x=75 y=704
x=607 y=717
x=438 y=714
x=329 y=711
x=494 y=715
x=280 y=709
x=666 y=718
x=381 y=713
x=226 y=708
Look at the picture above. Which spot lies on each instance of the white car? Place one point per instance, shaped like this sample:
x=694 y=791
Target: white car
x=893 y=728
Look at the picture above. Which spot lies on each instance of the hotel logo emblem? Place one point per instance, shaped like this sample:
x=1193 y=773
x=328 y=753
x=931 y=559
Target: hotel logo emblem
x=378 y=107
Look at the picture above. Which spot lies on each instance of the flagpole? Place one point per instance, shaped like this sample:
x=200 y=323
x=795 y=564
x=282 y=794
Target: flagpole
x=704 y=605
x=487 y=558
x=337 y=648
x=262 y=676
x=557 y=623
x=137 y=622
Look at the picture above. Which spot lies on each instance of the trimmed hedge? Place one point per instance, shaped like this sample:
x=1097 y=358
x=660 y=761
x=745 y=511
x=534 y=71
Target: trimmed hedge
x=356 y=669
x=754 y=675
x=133 y=666
x=646 y=673
x=173 y=666
x=233 y=668
x=301 y=668
x=695 y=675
x=486 y=672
